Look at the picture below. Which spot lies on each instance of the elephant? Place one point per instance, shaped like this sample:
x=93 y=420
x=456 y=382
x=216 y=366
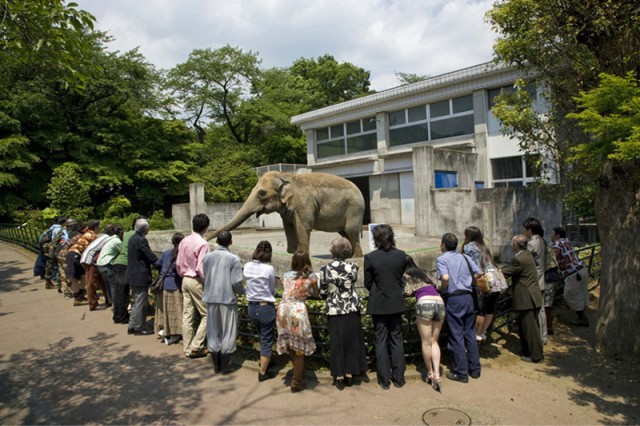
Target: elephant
x=305 y=201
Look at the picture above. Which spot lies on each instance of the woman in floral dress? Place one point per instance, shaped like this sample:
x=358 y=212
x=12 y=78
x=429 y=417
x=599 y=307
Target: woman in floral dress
x=294 y=328
x=337 y=287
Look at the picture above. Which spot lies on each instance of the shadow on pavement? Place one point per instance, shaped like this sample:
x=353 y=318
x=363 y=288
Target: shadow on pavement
x=101 y=383
x=11 y=276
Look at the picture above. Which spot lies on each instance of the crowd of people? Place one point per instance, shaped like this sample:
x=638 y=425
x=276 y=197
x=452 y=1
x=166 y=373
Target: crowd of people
x=197 y=289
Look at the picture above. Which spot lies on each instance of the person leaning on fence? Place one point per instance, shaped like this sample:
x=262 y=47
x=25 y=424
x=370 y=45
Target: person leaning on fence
x=538 y=248
x=92 y=277
x=294 y=327
x=169 y=297
x=260 y=279
x=430 y=314
x=527 y=298
x=343 y=306
x=222 y=273
x=141 y=257
x=75 y=270
x=188 y=264
x=121 y=290
x=383 y=271
x=71 y=232
x=454 y=273
x=477 y=250
x=576 y=276
x=51 y=272
x=110 y=250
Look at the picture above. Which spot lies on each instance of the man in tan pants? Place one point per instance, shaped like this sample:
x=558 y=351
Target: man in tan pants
x=189 y=266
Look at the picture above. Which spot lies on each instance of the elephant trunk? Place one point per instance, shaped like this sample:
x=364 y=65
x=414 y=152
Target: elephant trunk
x=247 y=209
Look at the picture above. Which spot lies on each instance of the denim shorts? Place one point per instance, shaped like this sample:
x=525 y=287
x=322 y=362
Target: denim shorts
x=430 y=310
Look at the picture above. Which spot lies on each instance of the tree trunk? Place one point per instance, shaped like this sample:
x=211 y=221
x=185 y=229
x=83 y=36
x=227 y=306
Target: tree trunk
x=618 y=215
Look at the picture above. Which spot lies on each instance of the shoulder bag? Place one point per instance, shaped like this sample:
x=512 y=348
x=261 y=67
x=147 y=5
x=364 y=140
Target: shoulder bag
x=158 y=283
x=476 y=293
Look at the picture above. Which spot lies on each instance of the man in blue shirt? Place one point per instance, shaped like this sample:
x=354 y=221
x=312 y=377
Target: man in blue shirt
x=454 y=272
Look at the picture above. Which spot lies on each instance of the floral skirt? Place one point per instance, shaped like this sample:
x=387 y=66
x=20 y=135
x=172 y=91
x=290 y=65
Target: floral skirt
x=294 y=328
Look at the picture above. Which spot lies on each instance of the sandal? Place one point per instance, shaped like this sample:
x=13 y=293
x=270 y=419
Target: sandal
x=429 y=379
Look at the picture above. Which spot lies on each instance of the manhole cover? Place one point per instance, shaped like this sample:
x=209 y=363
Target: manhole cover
x=445 y=416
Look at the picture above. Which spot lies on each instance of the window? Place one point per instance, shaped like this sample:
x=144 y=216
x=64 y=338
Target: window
x=444 y=179
x=479 y=185
x=448 y=118
x=514 y=171
x=346 y=138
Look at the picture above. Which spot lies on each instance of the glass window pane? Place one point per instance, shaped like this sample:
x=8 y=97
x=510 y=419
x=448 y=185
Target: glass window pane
x=507 y=168
x=322 y=134
x=452 y=127
x=409 y=134
x=417 y=113
x=396 y=117
x=479 y=184
x=337 y=131
x=462 y=104
x=446 y=179
x=362 y=143
x=368 y=124
x=439 y=109
x=353 y=127
x=329 y=149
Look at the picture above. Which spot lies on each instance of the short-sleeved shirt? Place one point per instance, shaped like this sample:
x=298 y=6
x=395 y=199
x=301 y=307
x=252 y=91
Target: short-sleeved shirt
x=454 y=265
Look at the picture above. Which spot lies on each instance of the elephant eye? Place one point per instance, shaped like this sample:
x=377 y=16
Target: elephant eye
x=262 y=193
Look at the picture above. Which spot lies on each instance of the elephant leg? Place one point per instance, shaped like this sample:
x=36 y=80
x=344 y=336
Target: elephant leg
x=292 y=239
x=302 y=234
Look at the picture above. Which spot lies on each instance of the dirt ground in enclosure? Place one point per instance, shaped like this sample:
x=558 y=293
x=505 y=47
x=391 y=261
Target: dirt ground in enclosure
x=61 y=364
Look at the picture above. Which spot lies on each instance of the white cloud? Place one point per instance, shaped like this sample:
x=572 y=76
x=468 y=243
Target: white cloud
x=382 y=36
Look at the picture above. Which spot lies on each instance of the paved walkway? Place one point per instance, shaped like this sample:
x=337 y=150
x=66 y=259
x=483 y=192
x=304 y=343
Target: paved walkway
x=61 y=364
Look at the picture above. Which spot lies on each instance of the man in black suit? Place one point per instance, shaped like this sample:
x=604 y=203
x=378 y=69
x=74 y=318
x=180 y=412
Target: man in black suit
x=383 y=271
x=527 y=299
x=138 y=276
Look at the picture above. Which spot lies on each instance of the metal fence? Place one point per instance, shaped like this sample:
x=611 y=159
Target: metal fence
x=20 y=235
x=249 y=339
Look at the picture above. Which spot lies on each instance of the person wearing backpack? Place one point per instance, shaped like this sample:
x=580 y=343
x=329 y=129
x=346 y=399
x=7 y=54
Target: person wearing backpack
x=51 y=270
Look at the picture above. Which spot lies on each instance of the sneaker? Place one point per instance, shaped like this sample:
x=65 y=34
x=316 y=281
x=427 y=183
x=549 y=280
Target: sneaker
x=161 y=333
x=171 y=340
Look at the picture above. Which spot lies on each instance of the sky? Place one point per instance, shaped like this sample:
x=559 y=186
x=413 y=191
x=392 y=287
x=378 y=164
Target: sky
x=427 y=37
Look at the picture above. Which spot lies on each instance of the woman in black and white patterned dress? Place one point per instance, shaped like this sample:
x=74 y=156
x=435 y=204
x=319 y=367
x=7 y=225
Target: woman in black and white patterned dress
x=337 y=287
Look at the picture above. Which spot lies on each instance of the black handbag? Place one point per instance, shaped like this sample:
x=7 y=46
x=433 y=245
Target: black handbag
x=476 y=293
x=158 y=283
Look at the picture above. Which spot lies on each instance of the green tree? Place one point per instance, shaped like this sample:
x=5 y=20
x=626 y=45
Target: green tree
x=567 y=45
x=330 y=82
x=210 y=87
x=68 y=192
x=408 y=78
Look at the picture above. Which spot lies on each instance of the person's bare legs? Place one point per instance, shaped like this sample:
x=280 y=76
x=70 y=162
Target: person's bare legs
x=484 y=326
x=436 y=327
x=424 y=328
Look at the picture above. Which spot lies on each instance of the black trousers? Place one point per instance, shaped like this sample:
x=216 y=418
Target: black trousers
x=388 y=331
x=529 y=332
x=120 y=295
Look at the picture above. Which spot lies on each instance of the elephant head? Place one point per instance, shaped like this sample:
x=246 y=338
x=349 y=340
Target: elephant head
x=270 y=194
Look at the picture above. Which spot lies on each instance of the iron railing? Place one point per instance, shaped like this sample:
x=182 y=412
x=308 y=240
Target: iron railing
x=248 y=337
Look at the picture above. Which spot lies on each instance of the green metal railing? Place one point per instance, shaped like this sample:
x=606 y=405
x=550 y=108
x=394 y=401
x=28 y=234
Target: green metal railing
x=248 y=337
x=23 y=235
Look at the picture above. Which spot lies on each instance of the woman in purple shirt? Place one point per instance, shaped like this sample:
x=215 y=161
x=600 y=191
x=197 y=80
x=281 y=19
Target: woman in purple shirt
x=429 y=319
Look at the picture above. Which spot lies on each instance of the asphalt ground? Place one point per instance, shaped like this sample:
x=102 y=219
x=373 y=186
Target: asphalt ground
x=61 y=364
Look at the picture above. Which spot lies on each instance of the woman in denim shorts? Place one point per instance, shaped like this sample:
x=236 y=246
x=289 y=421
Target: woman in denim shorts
x=429 y=319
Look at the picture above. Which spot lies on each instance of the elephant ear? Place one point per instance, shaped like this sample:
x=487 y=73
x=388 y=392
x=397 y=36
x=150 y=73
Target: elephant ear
x=283 y=189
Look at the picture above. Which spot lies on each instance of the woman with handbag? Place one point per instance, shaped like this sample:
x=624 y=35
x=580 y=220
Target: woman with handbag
x=343 y=307
x=430 y=313
x=168 y=321
x=475 y=248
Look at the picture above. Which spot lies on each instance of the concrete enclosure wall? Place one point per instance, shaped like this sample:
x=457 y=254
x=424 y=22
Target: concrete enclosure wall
x=220 y=214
